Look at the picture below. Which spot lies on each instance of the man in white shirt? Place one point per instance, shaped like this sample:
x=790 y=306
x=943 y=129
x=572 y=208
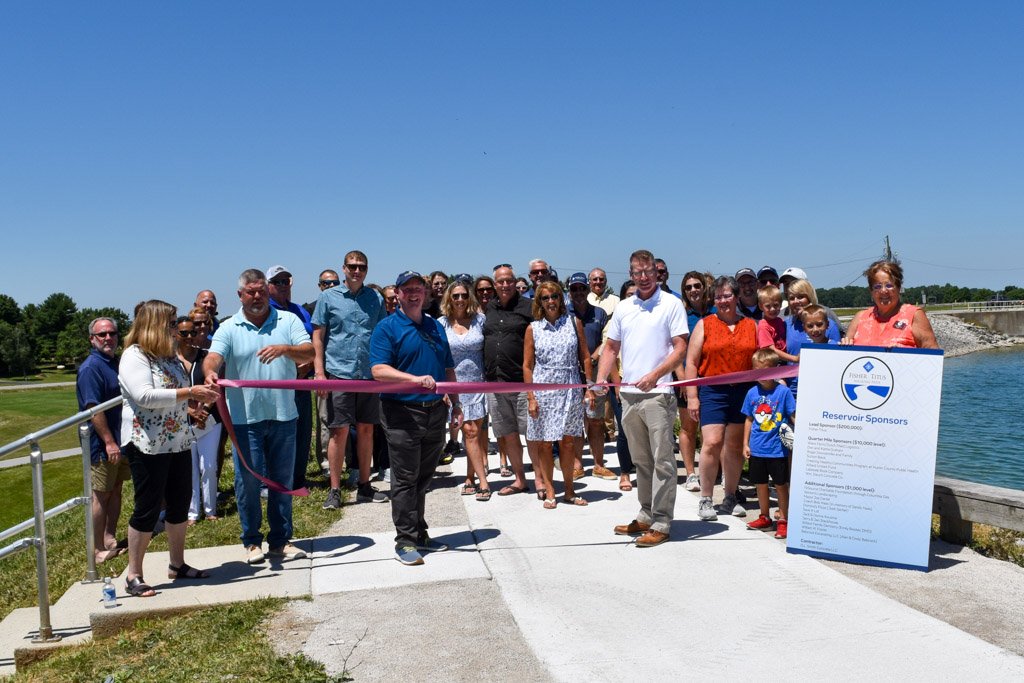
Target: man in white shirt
x=650 y=331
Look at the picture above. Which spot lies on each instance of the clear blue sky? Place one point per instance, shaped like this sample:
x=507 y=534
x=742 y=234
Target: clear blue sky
x=155 y=149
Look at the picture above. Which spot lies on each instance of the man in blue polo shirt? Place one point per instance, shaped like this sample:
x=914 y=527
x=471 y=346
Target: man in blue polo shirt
x=96 y=383
x=409 y=346
x=279 y=281
x=259 y=343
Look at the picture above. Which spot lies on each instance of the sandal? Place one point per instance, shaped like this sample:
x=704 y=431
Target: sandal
x=468 y=489
x=505 y=471
x=576 y=500
x=138 y=588
x=512 y=490
x=186 y=572
x=550 y=504
x=483 y=495
x=625 y=486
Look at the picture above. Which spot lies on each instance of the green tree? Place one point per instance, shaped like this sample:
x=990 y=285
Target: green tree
x=49 y=320
x=16 y=350
x=73 y=341
x=10 y=312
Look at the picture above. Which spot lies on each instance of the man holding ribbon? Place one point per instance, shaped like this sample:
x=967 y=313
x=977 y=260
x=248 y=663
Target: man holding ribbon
x=410 y=346
x=261 y=343
x=649 y=330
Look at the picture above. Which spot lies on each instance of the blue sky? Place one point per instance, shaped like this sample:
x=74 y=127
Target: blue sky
x=155 y=149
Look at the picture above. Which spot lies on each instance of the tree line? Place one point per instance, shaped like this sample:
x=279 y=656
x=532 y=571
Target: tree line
x=56 y=331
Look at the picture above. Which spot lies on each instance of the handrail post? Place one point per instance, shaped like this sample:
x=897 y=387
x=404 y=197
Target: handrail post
x=42 y=574
x=90 y=531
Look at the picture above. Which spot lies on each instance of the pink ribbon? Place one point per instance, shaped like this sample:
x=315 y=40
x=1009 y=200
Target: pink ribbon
x=366 y=386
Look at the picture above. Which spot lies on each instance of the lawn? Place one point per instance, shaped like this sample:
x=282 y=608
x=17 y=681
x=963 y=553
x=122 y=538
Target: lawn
x=26 y=411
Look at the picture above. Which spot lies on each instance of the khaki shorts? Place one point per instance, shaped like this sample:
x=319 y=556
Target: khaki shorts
x=508 y=413
x=106 y=474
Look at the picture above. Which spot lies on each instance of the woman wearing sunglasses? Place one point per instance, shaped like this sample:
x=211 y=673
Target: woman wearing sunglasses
x=697 y=299
x=463 y=324
x=553 y=354
x=205 y=422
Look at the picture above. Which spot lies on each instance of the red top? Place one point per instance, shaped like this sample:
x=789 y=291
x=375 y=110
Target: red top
x=896 y=331
x=726 y=350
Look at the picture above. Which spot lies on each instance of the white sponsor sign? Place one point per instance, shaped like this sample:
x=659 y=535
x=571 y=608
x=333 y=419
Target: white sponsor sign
x=867 y=424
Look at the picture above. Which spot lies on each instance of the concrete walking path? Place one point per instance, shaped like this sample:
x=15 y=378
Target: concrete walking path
x=534 y=594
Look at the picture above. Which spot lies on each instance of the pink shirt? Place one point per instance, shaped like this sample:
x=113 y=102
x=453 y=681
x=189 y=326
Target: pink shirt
x=771 y=333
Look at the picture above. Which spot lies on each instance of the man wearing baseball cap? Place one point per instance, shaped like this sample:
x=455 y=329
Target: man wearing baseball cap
x=409 y=346
x=747 y=280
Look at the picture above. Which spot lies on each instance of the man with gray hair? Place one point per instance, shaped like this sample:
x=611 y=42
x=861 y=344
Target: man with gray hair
x=97 y=383
x=260 y=343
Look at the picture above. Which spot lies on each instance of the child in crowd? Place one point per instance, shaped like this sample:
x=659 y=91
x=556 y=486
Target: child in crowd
x=771 y=329
x=815 y=320
x=767 y=405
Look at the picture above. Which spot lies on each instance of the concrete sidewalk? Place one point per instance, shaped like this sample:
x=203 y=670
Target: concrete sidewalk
x=533 y=594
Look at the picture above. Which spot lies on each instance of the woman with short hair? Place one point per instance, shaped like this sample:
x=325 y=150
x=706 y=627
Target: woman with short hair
x=890 y=322
x=156 y=438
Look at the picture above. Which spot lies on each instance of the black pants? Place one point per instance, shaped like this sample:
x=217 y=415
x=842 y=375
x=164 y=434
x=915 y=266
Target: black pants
x=159 y=478
x=303 y=436
x=416 y=437
x=621 y=444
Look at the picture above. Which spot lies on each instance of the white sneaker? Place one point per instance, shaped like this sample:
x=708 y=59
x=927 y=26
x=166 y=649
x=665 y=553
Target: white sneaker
x=692 y=482
x=254 y=554
x=287 y=552
x=705 y=510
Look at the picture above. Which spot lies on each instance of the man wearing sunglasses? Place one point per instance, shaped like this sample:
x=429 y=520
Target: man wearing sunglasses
x=747 y=299
x=279 y=282
x=343 y=321
x=327 y=280
x=539 y=272
x=662 y=270
x=96 y=383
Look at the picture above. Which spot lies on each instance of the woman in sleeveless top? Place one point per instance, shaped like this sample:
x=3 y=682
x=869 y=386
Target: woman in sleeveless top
x=721 y=343
x=890 y=322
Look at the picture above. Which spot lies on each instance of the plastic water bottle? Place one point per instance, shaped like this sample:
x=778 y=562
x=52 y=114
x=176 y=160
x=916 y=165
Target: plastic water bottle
x=109 y=594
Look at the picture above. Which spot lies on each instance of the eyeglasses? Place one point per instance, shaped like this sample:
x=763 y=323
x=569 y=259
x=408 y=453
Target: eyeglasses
x=460 y=295
x=187 y=333
x=357 y=267
x=598 y=279
x=485 y=290
x=502 y=265
x=281 y=281
x=689 y=288
x=879 y=286
x=200 y=323
x=724 y=297
x=104 y=334
x=330 y=283
x=636 y=274
x=539 y=271
x=549 y=297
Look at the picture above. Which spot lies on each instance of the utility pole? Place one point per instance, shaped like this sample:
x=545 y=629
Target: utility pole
x=887 y=254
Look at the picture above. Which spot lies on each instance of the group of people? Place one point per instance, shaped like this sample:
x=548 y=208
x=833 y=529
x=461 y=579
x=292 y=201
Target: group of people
x=425 y=329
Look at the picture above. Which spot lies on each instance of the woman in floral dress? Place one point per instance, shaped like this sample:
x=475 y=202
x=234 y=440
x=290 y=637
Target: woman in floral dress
x=464 y=325
x=553 y=354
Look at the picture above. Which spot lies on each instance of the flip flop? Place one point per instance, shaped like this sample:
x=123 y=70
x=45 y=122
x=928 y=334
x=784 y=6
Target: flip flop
x=575 y=500
x=550 y=504
x=468 y=490
x=109 y=554
x=511 y=490
x=625 y=486
x=483 y=495
x=505 y=472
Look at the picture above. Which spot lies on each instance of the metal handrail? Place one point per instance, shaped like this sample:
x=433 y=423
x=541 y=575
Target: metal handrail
x=40 y=514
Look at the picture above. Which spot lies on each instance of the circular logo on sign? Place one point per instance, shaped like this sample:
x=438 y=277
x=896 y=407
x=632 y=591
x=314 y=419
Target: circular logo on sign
x=867 y=383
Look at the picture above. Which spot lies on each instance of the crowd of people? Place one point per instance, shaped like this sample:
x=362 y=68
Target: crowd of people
x=620 y=351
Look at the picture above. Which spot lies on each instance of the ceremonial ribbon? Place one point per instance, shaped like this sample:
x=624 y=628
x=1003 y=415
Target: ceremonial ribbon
x=365 y=386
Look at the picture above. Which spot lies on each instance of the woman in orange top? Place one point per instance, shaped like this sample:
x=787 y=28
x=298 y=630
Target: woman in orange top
x=720 y=343
x=890 y=322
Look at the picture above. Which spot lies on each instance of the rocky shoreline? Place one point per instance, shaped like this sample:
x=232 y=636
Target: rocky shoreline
x=958 y=338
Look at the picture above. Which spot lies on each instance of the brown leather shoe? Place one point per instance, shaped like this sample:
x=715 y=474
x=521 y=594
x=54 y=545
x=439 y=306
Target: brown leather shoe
x=634 y=528
x=651 y=539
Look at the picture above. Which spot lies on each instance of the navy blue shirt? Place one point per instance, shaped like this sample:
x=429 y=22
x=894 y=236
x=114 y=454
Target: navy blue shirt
x=416 y=349
x=593 y=321
x=303 y=315
x=97 y=383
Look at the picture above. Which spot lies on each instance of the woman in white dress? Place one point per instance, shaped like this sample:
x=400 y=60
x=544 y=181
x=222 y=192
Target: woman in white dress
x=463 y=324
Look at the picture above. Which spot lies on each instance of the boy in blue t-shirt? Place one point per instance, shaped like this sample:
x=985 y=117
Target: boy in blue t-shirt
x=767 y=406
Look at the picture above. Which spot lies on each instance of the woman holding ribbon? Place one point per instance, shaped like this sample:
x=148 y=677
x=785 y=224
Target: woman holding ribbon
x=463 y=324
x=156 y=439
x=890 y=322
x=722 y=342
x=553 y=354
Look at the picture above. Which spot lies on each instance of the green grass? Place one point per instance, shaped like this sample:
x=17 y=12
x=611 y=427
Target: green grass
x=66 y=533
x=216 y=644
x=28 y=411
x=42 y=377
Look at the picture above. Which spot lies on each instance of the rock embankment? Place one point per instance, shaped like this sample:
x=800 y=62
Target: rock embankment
x=957 y=337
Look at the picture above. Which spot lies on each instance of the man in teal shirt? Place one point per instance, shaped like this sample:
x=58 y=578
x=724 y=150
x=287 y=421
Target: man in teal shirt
x=261 y=343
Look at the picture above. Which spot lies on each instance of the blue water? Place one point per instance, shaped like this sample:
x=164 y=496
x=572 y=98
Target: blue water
x=982 y=420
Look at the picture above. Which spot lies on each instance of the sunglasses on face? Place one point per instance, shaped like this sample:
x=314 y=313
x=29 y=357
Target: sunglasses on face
x=539 y=271
x=459 y=296
x=485 y=290
x=577 y=288
x=357 y=267
x=689 y=288
x=330 y=283
x=104 y=334
x=187 y=333
x=661 y=271
x=281 y=281
x=549 y=297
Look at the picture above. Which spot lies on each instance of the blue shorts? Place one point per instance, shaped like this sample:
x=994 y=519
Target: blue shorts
x=722 y=404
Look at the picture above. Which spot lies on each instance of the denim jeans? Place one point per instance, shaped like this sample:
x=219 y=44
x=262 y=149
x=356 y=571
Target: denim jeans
x=269 y=447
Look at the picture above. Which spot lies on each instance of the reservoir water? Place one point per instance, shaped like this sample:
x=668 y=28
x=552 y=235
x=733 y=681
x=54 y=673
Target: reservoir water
x=982 y=419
